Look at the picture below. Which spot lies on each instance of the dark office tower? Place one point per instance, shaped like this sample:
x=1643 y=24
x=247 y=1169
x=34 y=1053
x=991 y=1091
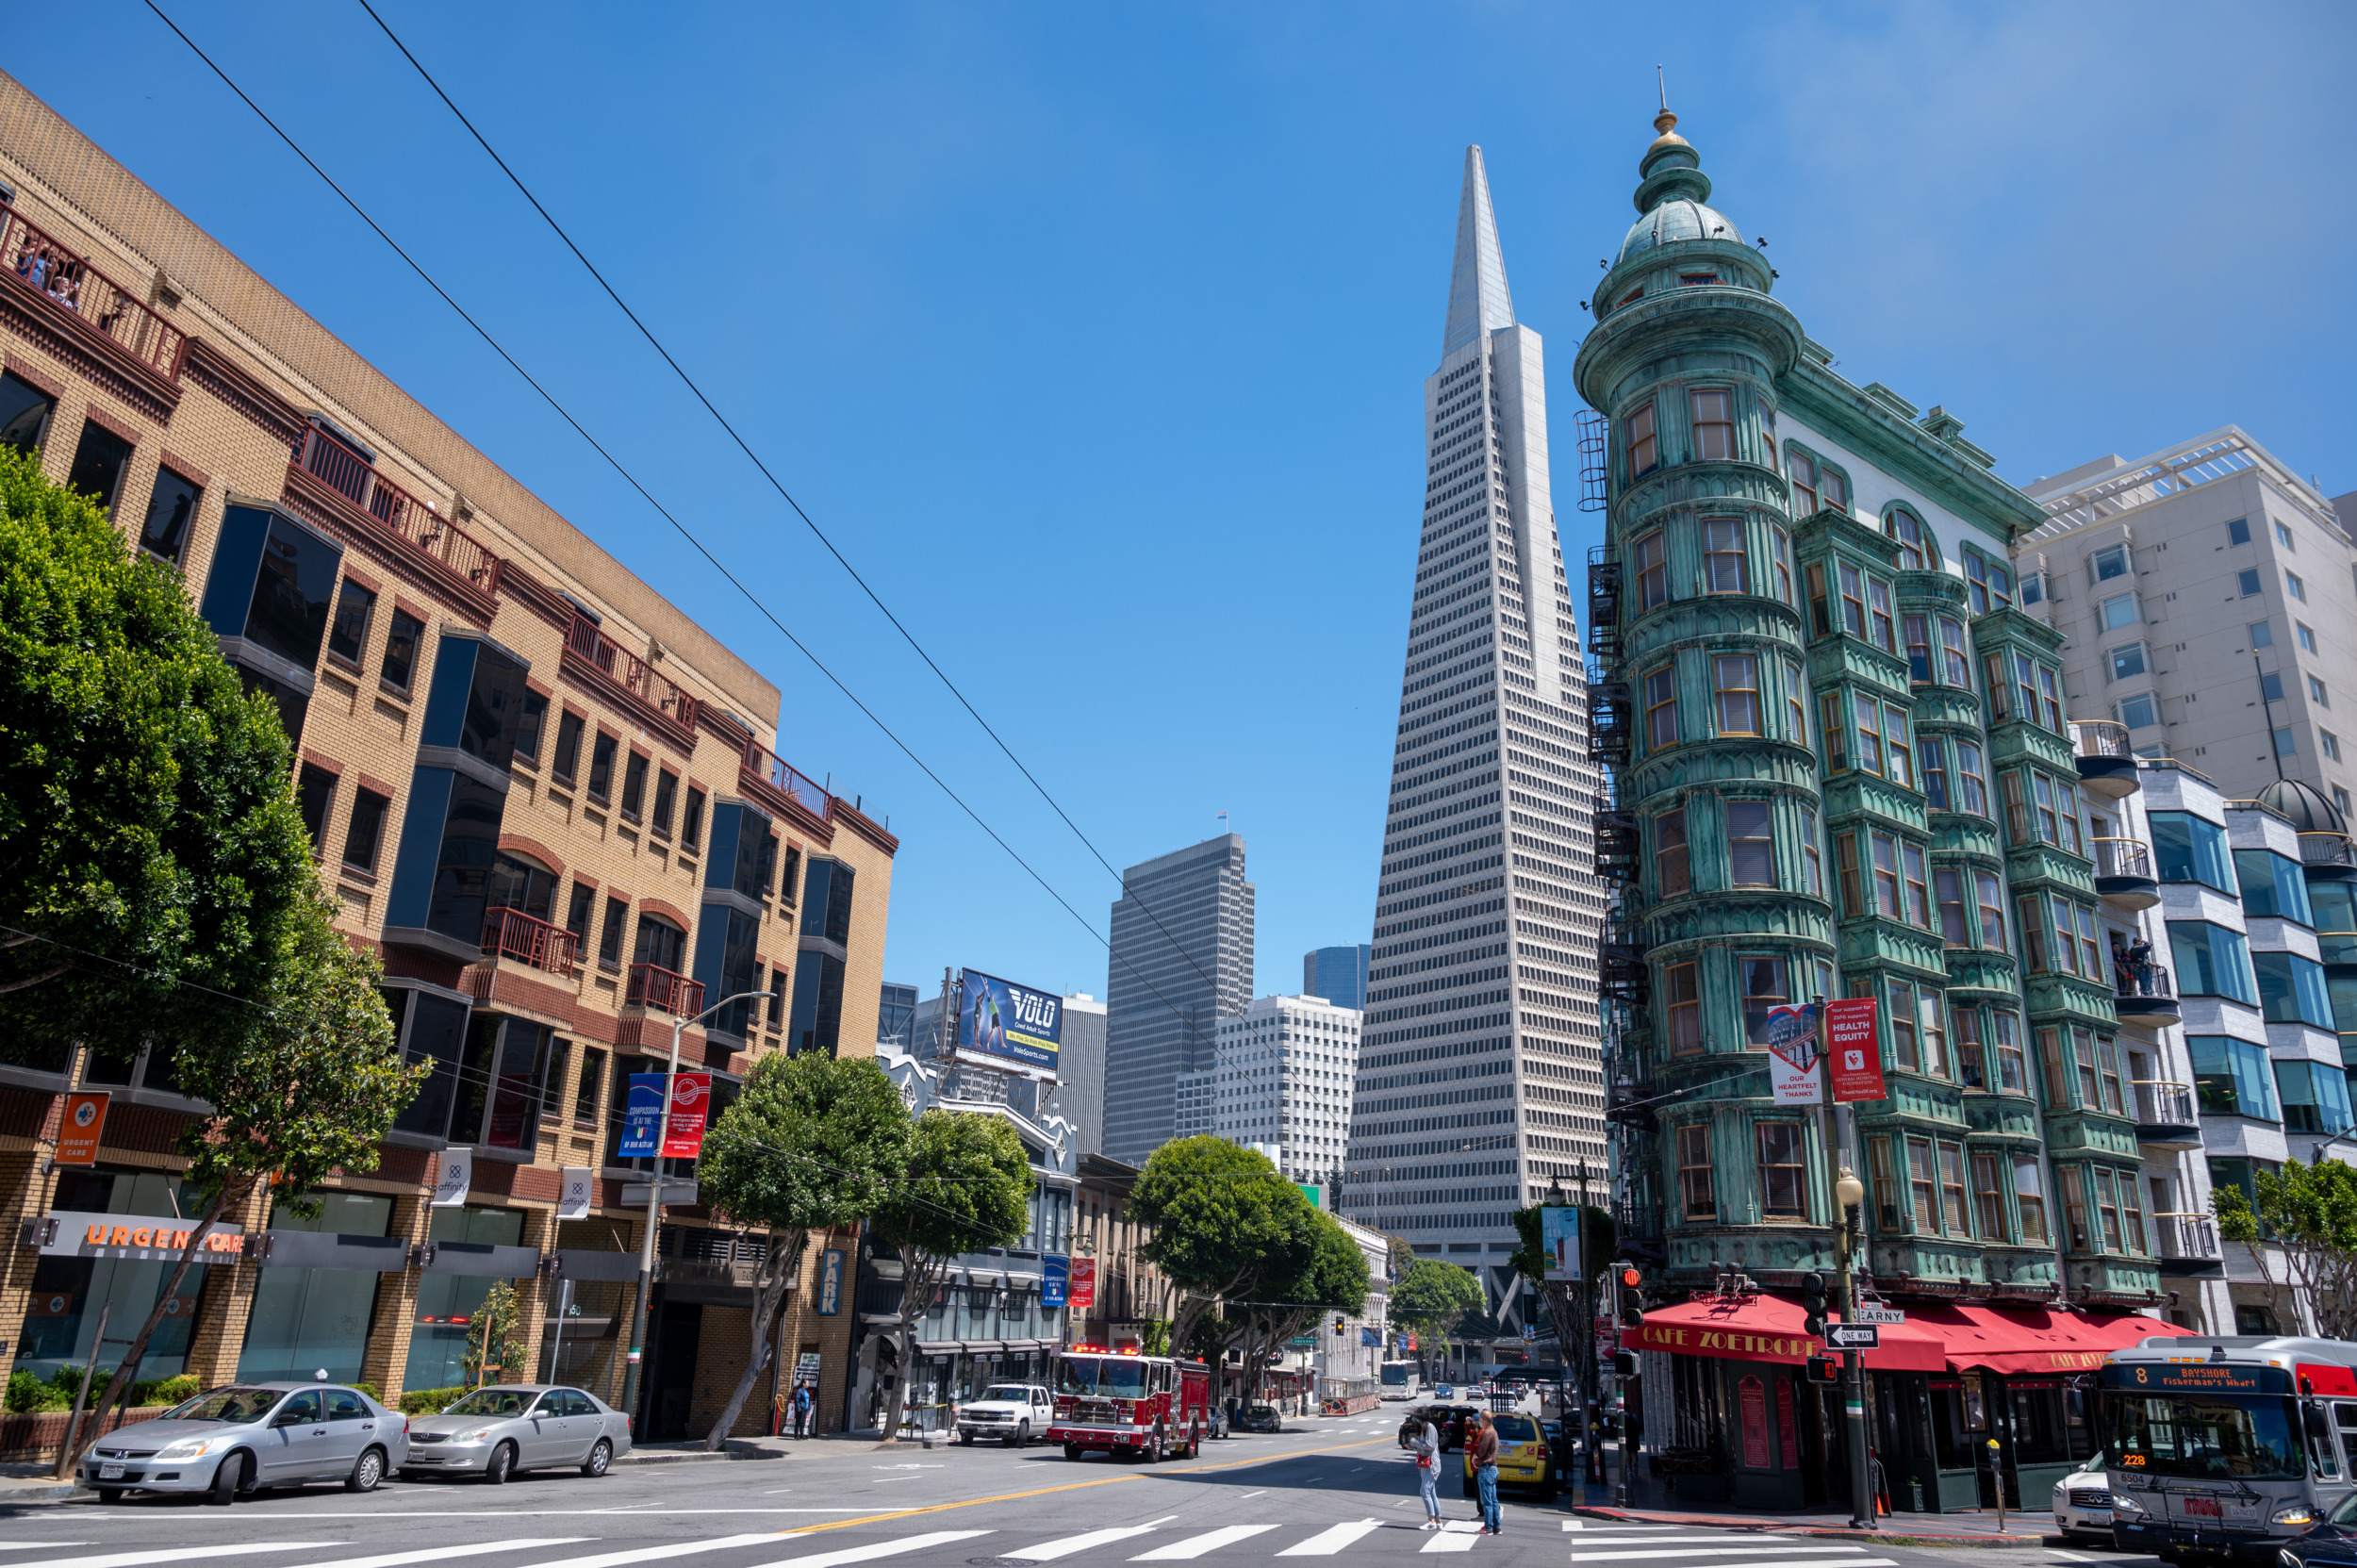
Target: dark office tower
x=1481 y=994
x=1337 y=974
x=893 y=1012
x=1181 y=961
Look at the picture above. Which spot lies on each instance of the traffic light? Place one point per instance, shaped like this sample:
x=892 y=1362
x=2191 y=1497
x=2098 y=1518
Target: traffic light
x=1823 y=1369
x=1813 y=1303
x=1338 y=1327
x=1632 y=1302
x=1625 y=1363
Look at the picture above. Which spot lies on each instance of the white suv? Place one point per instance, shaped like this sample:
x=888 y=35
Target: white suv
x=1009 y=1411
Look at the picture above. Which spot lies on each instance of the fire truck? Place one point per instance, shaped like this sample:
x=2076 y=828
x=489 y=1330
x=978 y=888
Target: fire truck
x=2224 y=1449
x=1143 y=1407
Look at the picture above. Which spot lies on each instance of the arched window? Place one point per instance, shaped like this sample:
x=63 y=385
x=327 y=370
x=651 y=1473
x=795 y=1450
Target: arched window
x=1804 y=483
x=519 y=882
x=661 y=943
x=1917 y=550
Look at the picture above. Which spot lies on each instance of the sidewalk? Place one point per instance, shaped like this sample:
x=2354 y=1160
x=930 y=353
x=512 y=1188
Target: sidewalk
x=2021 y=1529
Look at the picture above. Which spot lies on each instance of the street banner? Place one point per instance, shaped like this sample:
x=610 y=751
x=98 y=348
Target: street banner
x=1408 y=1342
x=1007 y=1027
x=642 y=1118
x=1054 y=1274
x=1558 y=1233
x=1855 y=1059
x=453 y=1175
x=830 y=1281
x=684 y=1125
x=572 y=1191
x=1083 y=1283
x=85 y=1119
x=1792 y=1055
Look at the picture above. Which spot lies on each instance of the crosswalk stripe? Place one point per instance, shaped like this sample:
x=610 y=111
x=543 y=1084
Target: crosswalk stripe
x=1196 y=1545
x=37 y=1545
x=1712 y=1551
x=1326 y=1542
x=178 y=1554
x=1456 y=1536
x=443 y=1554
x=656 y=1553
x=1050 y=1550
x=861 y=1554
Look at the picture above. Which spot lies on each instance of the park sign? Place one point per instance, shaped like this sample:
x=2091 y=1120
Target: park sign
x=1009 y=1027
x=1792 y=1054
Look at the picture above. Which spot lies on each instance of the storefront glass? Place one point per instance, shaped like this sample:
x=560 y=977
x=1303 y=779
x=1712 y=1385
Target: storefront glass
x=69 y=1295
x=447 y=1302
x=305 y=1321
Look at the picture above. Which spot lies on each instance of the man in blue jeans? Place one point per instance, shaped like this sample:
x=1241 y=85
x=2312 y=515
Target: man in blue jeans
x=1485 y=1462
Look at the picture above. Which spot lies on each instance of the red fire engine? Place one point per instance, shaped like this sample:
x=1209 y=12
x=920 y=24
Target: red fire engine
x=1117 y=1403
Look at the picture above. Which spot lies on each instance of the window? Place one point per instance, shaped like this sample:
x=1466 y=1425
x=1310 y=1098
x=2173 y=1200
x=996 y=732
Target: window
x=1714 y=425
x=2315 y=1094
x=1812 y=858
x=2271 y=686
x=691 y=824
x=1920 y=1181
x=2261 y=632
x=2291 y=989
x=1780 y=542
x=1901 y=755
x=2298 y=589
x=665 y=795
x=1682 y=993
x=1905 y=527
x=1845 y=856
x=2124 y=661
x=100 y=460
x=661 y=944
x=1751 y=846
x=1985 y=887
x=2273 y=885
x=2029 y=1196
x=1795 y=705
x=2050 y=699
x=1955 y=928
x=1644 y=454
x=2104 y=564
x=1918 y=629
x=2340 y=800
x=2286 y=744
x=568 y=758
x=1834 y=488
x=1989 y=585
x=2107 y=1207
x=2231 y=1077
x=1878 y=597
x=24 y=414
x=1725 y=570
x=2074 y=1202
x=1971 y=1057
x=2033 y=936
x=2212 y=962
x=401 y=650
x=1781 y=1187
x=2118 y=611
x=2316 y=693
x=348 y=632
x=1885 y=1184
x=2284 y=538
x=1736 y=678
x=2246 y=581
x=1988 y=1196
x=1670 y=873
x=1804 y=483
x=529 y=724
x=1972 y=792
x=1919 y=898
x=610 y=938
x=315 y=793
x=1661 y=708
x=2329 y=744
x=2238 y=531
x=1951 y=1190
x=1956 y=668
x=2138 y=712
x=1651 y=556
x=1820 y=616
x=1934 y=752
x=170 y=507
x=584 y=899
x=635 y=786
x=585 y=1093
x=2187 y=848
x=1867 y=713
x=1899 y=1006
x=1697 y=1200
x=2012 y=1072
x=1886 y=853
x=1764 y=991
x=602 y=767
x=366 y=830
x=1852 y=599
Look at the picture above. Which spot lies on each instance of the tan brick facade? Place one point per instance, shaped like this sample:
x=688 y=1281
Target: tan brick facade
x=268 y=415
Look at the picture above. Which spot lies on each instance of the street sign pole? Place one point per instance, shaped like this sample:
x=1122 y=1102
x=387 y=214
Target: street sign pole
x=1848 y=1206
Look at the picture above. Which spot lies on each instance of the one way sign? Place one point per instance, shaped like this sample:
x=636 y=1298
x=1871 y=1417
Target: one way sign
x=1853 y=1336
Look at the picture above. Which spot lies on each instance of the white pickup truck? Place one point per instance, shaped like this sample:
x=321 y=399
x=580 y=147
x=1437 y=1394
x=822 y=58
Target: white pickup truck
x=1009 y=1411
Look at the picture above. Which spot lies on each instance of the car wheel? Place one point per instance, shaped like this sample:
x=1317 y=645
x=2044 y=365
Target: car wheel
x=600 y=1457
x=110 y=1494
x=366 y=1471
x=232 y=1476
x=1022 y=1438
x=502 y=1465
x=1072 y=1450
x=966 y=1438
x=1194 y=1444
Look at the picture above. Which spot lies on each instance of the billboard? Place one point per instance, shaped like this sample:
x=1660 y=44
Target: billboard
x=1558 y=1233
x=1009 y=1027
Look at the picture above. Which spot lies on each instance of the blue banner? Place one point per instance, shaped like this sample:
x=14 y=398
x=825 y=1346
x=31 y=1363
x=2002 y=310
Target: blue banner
x=1368 y=1336
x=831 y=1282
x=1010 y=1027
x=642 y=1119
x=1053 y=1273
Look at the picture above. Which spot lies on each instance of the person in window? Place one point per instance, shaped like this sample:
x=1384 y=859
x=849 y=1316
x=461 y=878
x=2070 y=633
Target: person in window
x=2140 y=965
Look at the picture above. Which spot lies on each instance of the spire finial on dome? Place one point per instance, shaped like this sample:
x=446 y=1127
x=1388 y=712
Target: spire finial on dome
x=1670 y=168
x=1666 y=121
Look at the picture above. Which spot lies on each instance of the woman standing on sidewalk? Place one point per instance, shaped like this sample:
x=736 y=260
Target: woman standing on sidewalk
x=1425 y=1445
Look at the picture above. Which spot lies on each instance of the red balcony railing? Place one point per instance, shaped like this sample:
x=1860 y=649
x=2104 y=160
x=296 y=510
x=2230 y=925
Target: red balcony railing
x=765 y=768
x=628 y=672
x=415 y=522
x=512 y=933
x=651 y=985
x=67 y=281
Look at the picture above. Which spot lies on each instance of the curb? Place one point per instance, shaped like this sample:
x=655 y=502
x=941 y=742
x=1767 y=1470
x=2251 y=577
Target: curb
x=1887 y=1538
x=642 y=1456
x=54 y=1491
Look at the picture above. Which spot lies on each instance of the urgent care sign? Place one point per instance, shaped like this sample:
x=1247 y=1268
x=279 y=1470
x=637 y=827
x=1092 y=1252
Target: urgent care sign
x=1853 y=1056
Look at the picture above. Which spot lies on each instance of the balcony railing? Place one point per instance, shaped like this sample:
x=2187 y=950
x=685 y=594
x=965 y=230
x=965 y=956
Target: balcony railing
x=763 y=769
x=2139 y=978
x=413 y=522
x=2337 y=947
x=2326 y=849
x=2123 y=857
x=2163 y=1103
x=67 y=281
x=2190 y=1236
x=512 y=933
x=2101 y=737
x=630 y=673
x=651 y=985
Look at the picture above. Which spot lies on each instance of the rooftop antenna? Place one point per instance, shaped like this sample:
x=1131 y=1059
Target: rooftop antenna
x=1663 y=82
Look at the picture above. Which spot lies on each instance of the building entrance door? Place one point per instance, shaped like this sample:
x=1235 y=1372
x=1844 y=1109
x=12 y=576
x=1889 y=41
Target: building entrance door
x=671 y=1383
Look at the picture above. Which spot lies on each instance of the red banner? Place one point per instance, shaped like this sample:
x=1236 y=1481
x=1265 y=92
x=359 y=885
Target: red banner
x=684 y=1117
x=85 y=1120
x=1083 y=1291
x=1851 y=1051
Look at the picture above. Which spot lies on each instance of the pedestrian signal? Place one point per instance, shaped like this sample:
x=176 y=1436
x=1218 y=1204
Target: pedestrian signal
x=1823 y=1369
x=1813 y=1303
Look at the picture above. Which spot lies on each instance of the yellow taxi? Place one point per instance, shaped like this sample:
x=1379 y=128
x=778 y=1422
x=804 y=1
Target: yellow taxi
x=1523 y=1458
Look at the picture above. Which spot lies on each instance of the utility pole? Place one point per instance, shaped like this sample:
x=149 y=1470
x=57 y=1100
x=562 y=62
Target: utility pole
x=1849 y=1200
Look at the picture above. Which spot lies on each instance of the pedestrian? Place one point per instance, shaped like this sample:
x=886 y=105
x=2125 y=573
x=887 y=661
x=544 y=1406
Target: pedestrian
x=1425 y=1445
x=2140 y=965
x=1485 y=1461
x=802 y=1409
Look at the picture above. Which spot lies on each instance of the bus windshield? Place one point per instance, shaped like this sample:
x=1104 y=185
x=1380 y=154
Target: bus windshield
x=1395 y=1373
x=1107 y=1377
x=2200 y=1436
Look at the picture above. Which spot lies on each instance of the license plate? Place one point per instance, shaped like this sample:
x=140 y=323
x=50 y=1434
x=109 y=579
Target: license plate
x=111 y=1471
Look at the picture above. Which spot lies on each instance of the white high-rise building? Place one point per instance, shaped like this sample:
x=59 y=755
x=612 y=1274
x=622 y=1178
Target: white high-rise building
x=1480 y=1077
x=1283 y=1083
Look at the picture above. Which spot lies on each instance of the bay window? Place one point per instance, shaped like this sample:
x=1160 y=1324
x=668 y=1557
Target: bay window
x=2232 y=1077
x=2292 y=989
x=2212 y=961
x=1724 y=568
x=1736 y=679
x=1782 y=1187
x=1651 y=556
x=1661 y=708
x=1670 y=867
x=1751 y=844
x=1697 y=1197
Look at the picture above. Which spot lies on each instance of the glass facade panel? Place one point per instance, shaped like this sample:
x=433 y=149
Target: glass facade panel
x=305 y=1321
x=2191 y=849
x=2274 y=885
x=2212 y=961
x=2316 y=1097
x=2292 y=990
x=446 y=1302
x=2232 y=1077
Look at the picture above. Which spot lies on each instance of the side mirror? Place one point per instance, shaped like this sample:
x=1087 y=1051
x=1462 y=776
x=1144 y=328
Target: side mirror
x=288 y=1418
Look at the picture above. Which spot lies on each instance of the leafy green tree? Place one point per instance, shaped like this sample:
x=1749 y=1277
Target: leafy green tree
x=1567 y=1300
x=966 y=1187
x=305 y=1086
x=152 y=858
x=491 y=1329
x=812 y=1143
x=1431 y=1297
x=2309 y=1214
x=1224 y=1219
x=1332 y=1277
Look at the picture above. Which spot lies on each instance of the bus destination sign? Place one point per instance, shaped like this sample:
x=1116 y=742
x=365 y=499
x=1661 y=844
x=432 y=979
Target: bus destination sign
x=2195 y=1377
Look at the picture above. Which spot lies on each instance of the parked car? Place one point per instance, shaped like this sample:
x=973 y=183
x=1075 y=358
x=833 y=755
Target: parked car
x=1525 y=1459
x=1010 y=1412
x=2083 y=1502
x=2334 y=1540
x=1216 y=1420
x=1260 y=1418
x=498 y=1431
x=232 y=1442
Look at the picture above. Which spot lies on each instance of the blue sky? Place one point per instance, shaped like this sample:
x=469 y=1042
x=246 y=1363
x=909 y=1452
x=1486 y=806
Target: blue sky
x=1096 y=336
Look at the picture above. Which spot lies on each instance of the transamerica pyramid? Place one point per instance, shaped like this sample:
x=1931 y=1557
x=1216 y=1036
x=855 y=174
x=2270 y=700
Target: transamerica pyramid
x=1480 y=1075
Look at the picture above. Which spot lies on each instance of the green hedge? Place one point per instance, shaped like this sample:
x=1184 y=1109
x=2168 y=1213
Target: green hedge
x=28 y=1394
x=429 y=1401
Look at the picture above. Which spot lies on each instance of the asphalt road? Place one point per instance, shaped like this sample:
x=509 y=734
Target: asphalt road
x=1340 y=1489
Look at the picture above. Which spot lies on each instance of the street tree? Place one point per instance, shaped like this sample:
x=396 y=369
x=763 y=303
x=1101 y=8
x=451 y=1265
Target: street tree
x=1568 y=1300
x=811 y=1144
x=2309 y=1214
x=1223 y=1218
x=303 y=1086
x=1331 y=1278
x=967 y=1186
x=490 y=1332
x=151 y=850
x=1431 y=1296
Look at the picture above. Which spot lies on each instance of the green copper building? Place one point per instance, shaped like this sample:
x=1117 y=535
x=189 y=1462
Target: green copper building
x=1842 y=766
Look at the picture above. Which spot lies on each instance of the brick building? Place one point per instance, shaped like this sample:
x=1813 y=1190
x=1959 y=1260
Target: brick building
x=549 y=801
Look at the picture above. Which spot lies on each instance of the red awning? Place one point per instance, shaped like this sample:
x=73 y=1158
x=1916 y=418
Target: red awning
x=1768 y=1329
x=2032 y=1339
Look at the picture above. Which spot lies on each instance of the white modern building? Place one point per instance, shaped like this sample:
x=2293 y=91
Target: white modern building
x=1481 y=1077
x=1283 y=1081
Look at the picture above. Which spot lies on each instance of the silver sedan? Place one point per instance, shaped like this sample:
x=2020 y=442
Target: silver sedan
x=496 y=1431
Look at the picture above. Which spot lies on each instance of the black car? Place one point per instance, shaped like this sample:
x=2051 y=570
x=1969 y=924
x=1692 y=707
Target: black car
x=1259 y=1418
x=2332 y=1544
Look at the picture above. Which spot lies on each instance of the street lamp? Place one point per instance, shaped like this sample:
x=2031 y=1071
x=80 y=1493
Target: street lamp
x=655 y=1199
x=1849 y=1195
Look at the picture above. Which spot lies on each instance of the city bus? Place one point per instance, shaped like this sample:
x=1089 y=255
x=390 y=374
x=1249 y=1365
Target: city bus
x=1400 y=1380
x=2219 y=1449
